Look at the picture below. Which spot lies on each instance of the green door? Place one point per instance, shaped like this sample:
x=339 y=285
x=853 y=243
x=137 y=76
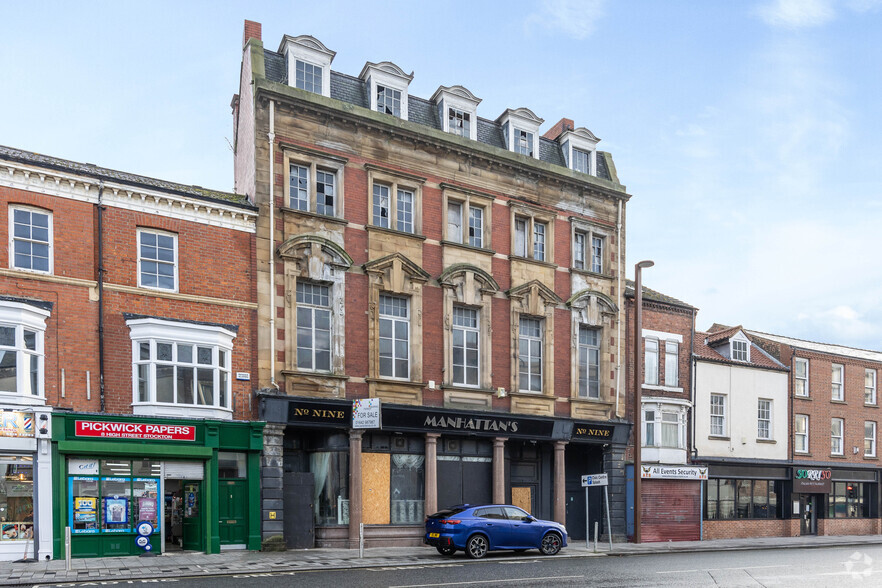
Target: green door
x=233 y=512
x=192 y=521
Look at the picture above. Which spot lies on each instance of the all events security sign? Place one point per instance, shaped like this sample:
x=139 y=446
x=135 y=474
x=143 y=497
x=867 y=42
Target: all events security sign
x=673 y=472
x=366 y=413
x=151 y=431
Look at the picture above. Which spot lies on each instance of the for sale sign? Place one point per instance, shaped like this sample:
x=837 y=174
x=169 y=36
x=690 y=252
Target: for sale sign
x=145 y=431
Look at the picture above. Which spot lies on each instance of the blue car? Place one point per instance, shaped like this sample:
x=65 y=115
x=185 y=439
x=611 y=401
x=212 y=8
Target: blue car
x=477 y=529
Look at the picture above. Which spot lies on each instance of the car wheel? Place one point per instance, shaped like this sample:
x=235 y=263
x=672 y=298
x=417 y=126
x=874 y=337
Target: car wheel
x=477 y=546
x=447 y=550
x=551 y=544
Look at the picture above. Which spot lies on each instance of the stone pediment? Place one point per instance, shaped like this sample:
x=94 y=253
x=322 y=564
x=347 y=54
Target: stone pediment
x=323 y=250
x=394 y=271
x=534 y=296
x=459 y=270
x=592 y=306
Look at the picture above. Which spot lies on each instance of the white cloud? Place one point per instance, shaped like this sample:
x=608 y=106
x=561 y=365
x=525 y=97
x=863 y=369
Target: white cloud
x=796 y=13
x=574 y=18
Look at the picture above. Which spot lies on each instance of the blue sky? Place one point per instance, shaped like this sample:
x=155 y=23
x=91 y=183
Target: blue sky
x=747 y=132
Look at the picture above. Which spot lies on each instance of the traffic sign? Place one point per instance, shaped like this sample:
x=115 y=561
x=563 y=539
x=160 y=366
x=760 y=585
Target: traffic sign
x=595 y=480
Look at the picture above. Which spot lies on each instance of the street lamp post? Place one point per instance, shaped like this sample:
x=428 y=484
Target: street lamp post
x=638 y=388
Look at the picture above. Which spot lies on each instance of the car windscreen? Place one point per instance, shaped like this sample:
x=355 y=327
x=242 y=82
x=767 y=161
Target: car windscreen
x=443 y=514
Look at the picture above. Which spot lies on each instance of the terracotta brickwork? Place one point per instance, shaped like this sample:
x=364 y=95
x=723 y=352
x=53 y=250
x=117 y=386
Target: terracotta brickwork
x=745 y=528
x=208 y=291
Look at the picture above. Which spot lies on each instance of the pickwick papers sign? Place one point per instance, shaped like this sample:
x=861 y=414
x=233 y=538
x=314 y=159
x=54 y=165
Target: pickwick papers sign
x=146 y=431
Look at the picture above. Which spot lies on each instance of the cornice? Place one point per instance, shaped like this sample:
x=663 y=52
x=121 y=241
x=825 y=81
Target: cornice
x=61 y=184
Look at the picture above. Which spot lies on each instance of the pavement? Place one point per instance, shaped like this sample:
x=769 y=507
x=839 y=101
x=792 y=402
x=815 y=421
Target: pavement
x=113 y=570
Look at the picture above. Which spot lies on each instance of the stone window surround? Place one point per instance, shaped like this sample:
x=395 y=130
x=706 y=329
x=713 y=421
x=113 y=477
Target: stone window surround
x=467 y=198
x=594 y=310
x=532 y=215
x=318 y=260
x=387 y=75
x=309 y=50
x=395 y=180
x=535 y=300
x=461 y=99
x=583 y=140
x=314 y=160
x=589 y=229
x=472 y=287
x=396 y=275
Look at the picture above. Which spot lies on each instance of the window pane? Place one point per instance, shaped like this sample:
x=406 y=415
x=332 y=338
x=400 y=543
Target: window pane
x=407 y=489
x=404 y=204
x=324 y=192
x=454 y=222
x=381 y=206
x=476 y=226
x=331 y=489
x=205 y=387
x=185 y=385
x=520 y=237
x=8 y=371
x=165 y=385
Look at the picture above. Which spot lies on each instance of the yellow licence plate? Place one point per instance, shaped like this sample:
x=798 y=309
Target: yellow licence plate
x=433 y=535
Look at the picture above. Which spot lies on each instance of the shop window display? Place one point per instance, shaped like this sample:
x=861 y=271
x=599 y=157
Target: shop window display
x=112 y=496
x=16 y=498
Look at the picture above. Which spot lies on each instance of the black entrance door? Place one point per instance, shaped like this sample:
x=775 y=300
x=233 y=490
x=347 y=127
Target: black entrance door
x=808 y=524
x=299 y=522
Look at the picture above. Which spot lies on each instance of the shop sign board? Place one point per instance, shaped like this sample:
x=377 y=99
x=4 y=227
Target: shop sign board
x=144 y=431
x=593 y=432
x=366 y=413
x=15 y=423
x=660 y=472
x=328 y=413
x=812 y=481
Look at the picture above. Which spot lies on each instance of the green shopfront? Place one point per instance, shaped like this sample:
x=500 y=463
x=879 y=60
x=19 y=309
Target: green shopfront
x=196 y=482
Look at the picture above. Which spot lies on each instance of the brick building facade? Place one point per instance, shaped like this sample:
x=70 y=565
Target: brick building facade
x=465 y=271
x=671 y=509
x=110 y=305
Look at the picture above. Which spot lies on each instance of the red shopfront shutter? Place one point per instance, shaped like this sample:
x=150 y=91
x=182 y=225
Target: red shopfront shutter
x=671 y=510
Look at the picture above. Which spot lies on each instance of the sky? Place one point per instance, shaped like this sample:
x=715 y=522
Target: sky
x=747 y=133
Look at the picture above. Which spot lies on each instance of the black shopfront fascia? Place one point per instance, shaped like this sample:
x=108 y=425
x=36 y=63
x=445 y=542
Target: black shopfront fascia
x=306 y=412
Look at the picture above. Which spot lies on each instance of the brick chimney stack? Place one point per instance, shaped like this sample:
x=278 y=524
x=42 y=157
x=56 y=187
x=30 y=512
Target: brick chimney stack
x=564 y=124
x=252 y=31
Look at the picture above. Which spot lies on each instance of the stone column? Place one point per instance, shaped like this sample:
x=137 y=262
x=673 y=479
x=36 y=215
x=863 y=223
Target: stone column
x=499 y=470
x=614 y=467
x=431 y=473
x=560 y=505
x=355 y=517
x=271 y=473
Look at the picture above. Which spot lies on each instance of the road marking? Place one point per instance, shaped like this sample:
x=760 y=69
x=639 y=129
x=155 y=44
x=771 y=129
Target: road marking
x=722 y=569
x=489 y=581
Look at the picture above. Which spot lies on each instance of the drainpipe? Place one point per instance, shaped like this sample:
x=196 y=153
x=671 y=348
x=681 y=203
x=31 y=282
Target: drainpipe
x=621 y=301
x=101 y=296
x=271 y=139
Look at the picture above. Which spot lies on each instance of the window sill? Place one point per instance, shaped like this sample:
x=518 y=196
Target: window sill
x=396 y=382
x=182 y=411
x=12 y=398
x=871 y=458
x=309 y=214
x=873 y=405
x=795 y=397
x=581 y=400
x=837 y=401
x=460 y=388
x=718 y=438
x=769 y=441
x=528 y=394
x=662 y=388
x=468 y=247
x=395 y=232
x=802 y=454
x=531 y=260
x=307 y=374
x=591 y=274
x=837 y=456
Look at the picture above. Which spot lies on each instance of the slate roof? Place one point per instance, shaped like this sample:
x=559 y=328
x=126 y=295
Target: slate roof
x=830 y=348
x=758 y=357
x=352 y=90
x=103 y=173
x=649 y=294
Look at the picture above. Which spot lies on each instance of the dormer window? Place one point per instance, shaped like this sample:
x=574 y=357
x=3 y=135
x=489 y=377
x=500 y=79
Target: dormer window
x=740 y=350
x=387 y=86
x=389 y=101
x=457 y=111
x=579 y=147
x=309 y=63
x=459 y=122
x=523 y=142
x=520 y=128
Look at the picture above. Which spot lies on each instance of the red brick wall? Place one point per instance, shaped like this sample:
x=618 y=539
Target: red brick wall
x=71 y=341
x=849 y=526
x=744 y=528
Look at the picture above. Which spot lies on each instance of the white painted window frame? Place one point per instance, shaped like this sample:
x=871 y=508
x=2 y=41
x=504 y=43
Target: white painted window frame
x=797 y=435
x=13 y=238
x=21 y=317
x=396 y=319
x=837 y=386
x=870 y=379
x=834 y=438
x=721 y=415
x=769 y=436
x=177 y=258
x=870 y=441
x=803 y=361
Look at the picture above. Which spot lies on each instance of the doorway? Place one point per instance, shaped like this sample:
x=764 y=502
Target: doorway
x=183 y=516
x=808 y=508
